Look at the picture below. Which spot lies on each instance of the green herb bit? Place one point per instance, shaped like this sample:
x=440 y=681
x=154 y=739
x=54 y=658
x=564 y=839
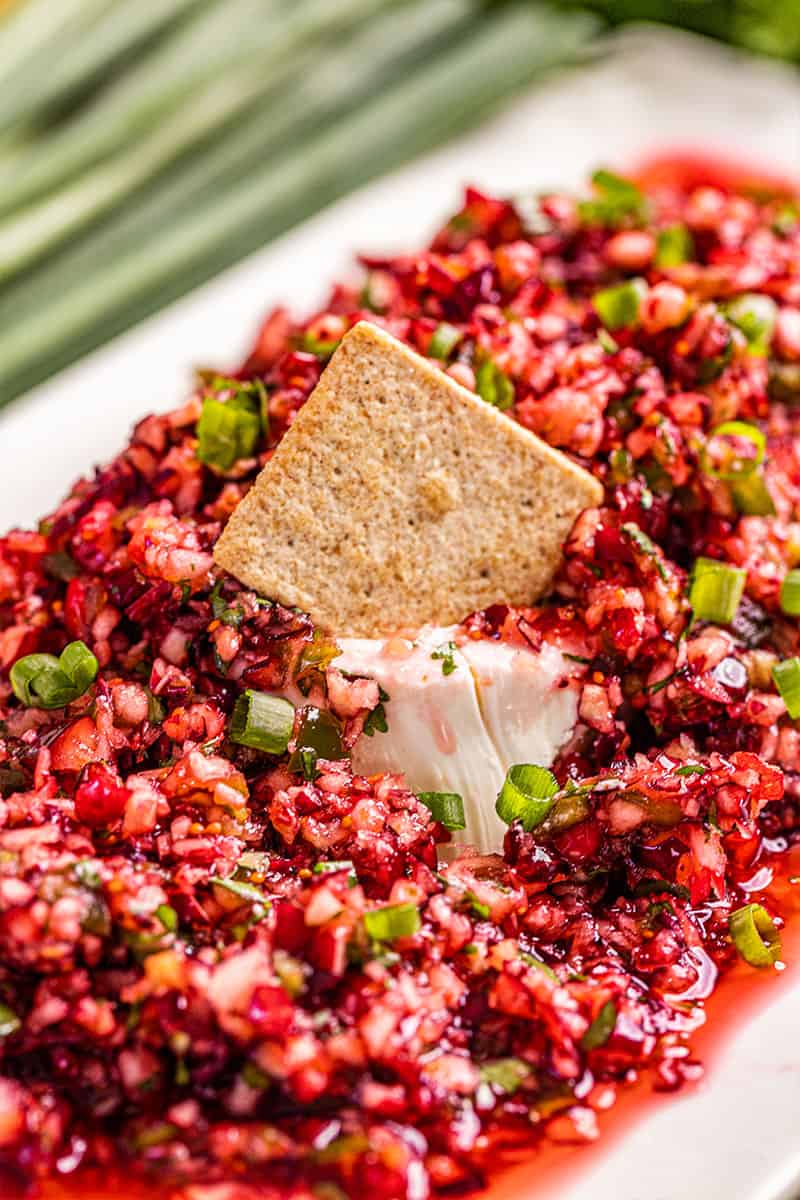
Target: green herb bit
x=44 y=681
x=334 y=866
x=376 y=722
x=527 y=795
x=393 y=921
x=531 y=960
x=221 y=610
x=87 y=873
x=231 y=422
x=505 y=1074
x=716 y=590
x=493 y=386
x=790 y=593
x=722 y=456
x=643 y=543
x=657 y=887
x=674 y=245
x=445 y=807
x=754 y=314
x=444 y=340
x=786 y=676
x=691 y=769
x=446 y=652
x=755 y=936
x=168 y=917
x=752 y=496
x=478 y=907
x=616 y=201
x=601 y=1027
x=318 y=347
x=262 y=721
x=9 y=1021
x=618 y=306
x=244 y=891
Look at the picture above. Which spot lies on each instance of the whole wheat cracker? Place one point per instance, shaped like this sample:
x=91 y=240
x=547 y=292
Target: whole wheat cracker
x=398 y=497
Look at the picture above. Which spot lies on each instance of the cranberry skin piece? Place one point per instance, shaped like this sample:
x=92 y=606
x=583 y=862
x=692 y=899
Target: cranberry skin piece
x=99 y=798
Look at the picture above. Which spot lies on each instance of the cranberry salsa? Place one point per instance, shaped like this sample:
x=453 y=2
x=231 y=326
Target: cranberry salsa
x=234 y=967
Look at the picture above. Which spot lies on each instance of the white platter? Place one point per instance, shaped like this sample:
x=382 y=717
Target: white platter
x=734 y=1138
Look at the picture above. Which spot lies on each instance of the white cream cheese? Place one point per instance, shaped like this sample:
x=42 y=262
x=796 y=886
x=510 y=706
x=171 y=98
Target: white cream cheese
x=460 y=731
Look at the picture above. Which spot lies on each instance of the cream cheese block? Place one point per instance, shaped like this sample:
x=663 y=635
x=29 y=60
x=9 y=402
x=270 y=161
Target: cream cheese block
x=458 y=721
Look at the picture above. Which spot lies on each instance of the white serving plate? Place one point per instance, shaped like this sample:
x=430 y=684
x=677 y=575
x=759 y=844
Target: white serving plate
x=735 y=1137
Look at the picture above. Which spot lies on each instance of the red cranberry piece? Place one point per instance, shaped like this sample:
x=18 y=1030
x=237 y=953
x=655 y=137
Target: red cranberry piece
x=99 y=798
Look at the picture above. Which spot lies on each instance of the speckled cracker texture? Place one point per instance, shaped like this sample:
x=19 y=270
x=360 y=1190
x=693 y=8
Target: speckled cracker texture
x=398 y=497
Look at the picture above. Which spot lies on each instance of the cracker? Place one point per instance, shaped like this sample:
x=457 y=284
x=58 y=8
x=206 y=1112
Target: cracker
x=398 y=497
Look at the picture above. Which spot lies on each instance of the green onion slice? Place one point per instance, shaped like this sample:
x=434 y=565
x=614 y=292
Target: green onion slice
x=393 y=921
x=493 y=386
x=618 y=307
x=727 y=462
x=601 y=1027
x=786 y=675
x=754 y=935
x=674 y=246
x=231 y=423
x=446 y=807
x=716 y=590
x=443 y=341
x=527 y=795
x=168 y=917
x=9 y=1021
x=790 y=593
x=262 y=721
x=244 y=891
x=754 y=314
x=505 y=1074
x=44 y=681
x=752 y=496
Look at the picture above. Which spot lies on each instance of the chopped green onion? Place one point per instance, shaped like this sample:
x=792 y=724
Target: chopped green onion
x=752 y=496
x=446 y=807
x=446 y=652
x=531 y=961
x=790 y=593
x=607 y=342
x=317 y=347
x=645 y=544
x=786 y=675
x=754 y=314
x=229 y=429
x=443 y=341
x=244 y=891
x=616 y=199
x=527 y=795
x=493 y=386
x=716 y=590
x=393 y=921
x=506 y=1074
x=655 y=887
x=44 y=681
x=691 y=769
x=168 y=917
x=754 y=935
x=733 y=466
x=601 y=1027
x=9 y=1021
x=618 y=307
x=254 y=860
x=674 y=246
x=87 y=873
x=262 y=721
x=320 y=734
x=334 y=865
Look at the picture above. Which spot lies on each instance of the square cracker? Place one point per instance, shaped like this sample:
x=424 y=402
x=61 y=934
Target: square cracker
x=398 y=497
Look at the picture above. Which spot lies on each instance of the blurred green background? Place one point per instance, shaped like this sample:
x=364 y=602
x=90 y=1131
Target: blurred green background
x=147 y=144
